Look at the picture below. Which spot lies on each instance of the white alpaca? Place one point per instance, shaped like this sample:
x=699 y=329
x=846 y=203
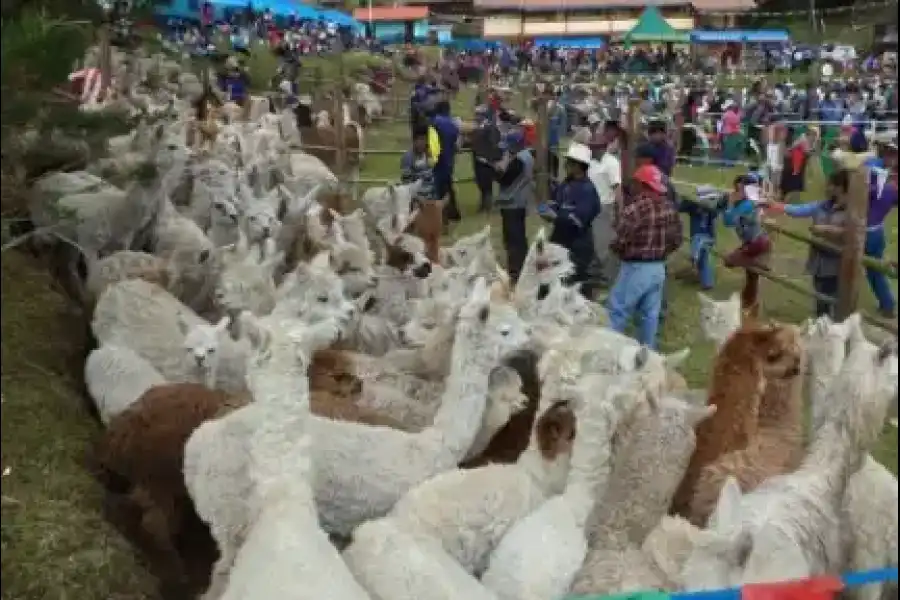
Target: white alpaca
x=202 y=342
x=539 y=556
x=789 y=527
x=719 y=319
x=544 y=264
x=363 y=471
x=116 y=377
x=149 y=320
x=177 y=233
x=285 y=554
x=467 y=511
x=216 y=463
x=870 y=502
x=393 y=564
x=651 y=458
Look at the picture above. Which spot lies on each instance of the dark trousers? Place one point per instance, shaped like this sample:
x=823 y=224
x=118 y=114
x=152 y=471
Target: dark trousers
x=446 y=191
x=484 y=179
x=827 y=286
x=515 y=239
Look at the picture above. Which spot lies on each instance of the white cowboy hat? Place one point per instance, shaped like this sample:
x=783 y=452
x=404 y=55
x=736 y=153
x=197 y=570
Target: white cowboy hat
x=579 y=153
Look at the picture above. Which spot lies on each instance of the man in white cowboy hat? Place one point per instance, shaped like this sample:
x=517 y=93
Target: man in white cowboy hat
x=574 y=207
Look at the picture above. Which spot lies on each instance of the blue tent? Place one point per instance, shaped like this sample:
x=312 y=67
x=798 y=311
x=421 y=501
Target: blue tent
x=586 y=43
x=739 y=36
x=286 y=8
x=336 y=16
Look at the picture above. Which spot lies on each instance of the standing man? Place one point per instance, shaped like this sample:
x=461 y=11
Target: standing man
x=448 y=135
x=605 y=173
x=486 y=153
x=515 y=174
x=648 y=229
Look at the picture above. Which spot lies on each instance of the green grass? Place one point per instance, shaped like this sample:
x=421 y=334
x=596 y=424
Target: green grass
x=681 y=327
x=55 y=543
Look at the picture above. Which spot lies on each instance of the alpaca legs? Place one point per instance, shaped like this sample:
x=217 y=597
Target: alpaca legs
x=160 y=522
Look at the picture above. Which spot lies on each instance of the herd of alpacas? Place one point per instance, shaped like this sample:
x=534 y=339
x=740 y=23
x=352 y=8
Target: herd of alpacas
x=356 y=413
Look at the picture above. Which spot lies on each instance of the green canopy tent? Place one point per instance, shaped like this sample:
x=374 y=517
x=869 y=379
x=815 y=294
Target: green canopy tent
x=653 y=28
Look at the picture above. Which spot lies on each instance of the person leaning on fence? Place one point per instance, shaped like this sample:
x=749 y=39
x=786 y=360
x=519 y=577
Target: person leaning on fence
x=416 y=165
x=572 y=211
x=648 y=230
x=515 y=176
x=829 y=219
x=485 y=153
x=447 y=130
x=744 y=216
x=882 y=200
x=703 y=213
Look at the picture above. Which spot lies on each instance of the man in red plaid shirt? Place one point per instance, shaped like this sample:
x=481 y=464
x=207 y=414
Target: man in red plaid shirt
x=648 y=229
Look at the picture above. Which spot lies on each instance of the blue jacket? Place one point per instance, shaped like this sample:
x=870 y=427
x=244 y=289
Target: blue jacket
x=745 y=220
x=448 y=133
x=702 y=220
x=576 y=204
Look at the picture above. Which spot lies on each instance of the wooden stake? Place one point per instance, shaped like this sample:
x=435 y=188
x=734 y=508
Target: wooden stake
x=541 y=157
x=854 y=244
x=633 y=126
x=340 y=160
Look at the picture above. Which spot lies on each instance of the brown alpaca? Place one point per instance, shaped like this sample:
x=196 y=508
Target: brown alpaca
x=776 y=449
x=321 y=142
x=753 y=356
x=144 y=445
x=429 y=226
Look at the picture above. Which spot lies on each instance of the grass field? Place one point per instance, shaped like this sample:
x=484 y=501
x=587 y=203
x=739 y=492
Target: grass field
x=56 y=545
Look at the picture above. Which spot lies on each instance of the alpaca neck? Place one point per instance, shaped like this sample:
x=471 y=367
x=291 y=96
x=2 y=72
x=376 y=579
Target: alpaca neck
x=781 y=406
x=463 y=403
x=549 y=475
x=436 y=355
x=280 y=448
x=591 y=459
x=833 y=455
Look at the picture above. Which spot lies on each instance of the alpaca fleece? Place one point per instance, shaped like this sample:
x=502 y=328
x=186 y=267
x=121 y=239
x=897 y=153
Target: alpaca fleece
x=747 y=361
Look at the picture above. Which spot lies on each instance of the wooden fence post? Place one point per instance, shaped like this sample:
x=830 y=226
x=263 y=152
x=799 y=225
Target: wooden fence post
x=854 y=244
x=105 y=56
x=340 y=150
x=542 y=162
x=633 y=126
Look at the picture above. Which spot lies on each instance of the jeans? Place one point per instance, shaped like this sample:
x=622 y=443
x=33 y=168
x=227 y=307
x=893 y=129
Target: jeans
x=875 y=247
x=515 y=239
x=700 y=244
x=827 y=286
x=484 y=179
x=638 y=293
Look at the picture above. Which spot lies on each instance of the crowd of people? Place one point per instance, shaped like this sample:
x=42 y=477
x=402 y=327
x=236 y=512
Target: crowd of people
x=620 y=231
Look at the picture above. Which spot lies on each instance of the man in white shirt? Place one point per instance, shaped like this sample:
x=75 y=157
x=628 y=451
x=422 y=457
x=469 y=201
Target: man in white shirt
x=605 y=172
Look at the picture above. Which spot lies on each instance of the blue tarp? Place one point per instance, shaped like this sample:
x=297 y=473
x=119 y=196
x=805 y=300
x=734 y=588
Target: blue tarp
x=587 y=43
x=286 y=8
x=739 y=36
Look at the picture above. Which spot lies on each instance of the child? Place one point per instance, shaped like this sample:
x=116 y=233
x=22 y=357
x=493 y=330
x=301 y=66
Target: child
x=702 y=214
x=743 y=215
x=829 y=218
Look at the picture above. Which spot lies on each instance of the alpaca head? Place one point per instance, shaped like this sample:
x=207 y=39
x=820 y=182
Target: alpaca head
x=202 y=343
x=826 y=345
x=429 y=316
x=406 y=253
x=547 y=261
x=720 y=552
x=863 y=391
x=353 y=226
x=492 y=330
x=261 y=222
x=778 y=347
x=352 y=263
x=313 y=292
x=669 y=544
x=226 y=211
x=471 y=248
x=719 y=318
x=505 y=396
x=285 y=346
x=567 y=306
x=244 y=282
x=554 y=432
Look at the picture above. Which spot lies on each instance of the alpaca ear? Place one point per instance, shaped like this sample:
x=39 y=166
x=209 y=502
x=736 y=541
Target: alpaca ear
x=674 y=360
x=697 y=414
x=260 y=339
x=727 y=513
x=641 y=358
x=223 y=323
x=704 y=299
x=183 y=326
x=480 y=293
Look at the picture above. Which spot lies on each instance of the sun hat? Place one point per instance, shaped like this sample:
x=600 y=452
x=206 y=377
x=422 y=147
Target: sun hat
x=650 y=176
x=579 y=153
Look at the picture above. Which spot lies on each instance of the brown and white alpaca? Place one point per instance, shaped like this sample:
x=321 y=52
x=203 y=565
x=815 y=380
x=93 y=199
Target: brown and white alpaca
x=775 y=449
x=749 y=359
